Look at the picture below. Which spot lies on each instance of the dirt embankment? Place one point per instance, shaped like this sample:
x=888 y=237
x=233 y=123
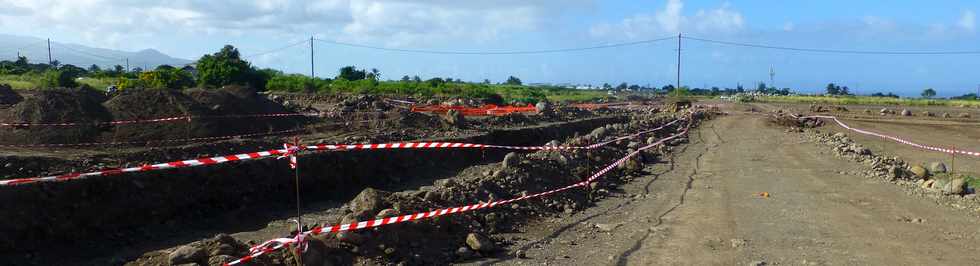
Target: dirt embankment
x=93 y=215
x=465 y=236
x=89 y=107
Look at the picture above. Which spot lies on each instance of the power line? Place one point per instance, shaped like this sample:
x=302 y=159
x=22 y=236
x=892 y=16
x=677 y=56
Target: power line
x=834 y=50
x=108 y=58
x=25 y=46
x=278 y=49
x=561 y=50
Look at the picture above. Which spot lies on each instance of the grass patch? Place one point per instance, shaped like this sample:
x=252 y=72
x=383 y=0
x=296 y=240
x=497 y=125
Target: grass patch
x=31 y=81
x=868 y=100
x=20 y=82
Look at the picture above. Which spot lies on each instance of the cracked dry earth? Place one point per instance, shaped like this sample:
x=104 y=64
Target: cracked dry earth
x=703 y=207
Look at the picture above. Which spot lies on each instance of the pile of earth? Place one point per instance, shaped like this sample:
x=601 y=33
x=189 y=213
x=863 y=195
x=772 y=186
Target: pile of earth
x=56 y=106
x=8 y=96
x=468 y=235
x=793 y=121
x=210 y=108
x=934 y=182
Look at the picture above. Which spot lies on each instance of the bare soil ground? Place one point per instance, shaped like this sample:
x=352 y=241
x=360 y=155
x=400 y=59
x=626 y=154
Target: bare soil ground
x=956 y=133
x=704 y=208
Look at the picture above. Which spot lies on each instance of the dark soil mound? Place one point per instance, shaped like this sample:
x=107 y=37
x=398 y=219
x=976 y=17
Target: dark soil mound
x=213 y=113
x=56 y=106
x=419 y=120
x=137 y=104
x=8 y=96
x=236 y=100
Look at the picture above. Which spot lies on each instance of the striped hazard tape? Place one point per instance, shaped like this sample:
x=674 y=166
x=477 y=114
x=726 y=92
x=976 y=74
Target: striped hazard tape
x=319 y=147
x=275 y=244
x=896 y=139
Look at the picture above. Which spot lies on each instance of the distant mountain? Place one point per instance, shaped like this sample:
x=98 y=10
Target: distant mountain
x=36 y=50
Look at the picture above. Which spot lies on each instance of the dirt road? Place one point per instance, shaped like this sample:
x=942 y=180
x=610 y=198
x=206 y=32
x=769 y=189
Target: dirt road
x=703 y=208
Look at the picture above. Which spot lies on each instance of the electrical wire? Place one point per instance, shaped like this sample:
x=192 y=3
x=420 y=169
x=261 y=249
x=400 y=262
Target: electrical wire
x=498 y=52
x=108 y=58
x=278 y=49
x=833 y=50
x=25 y=46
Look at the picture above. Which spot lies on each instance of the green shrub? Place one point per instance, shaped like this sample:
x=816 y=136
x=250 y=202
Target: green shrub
x=166 y=78
x=57 y=78
x=297 y=83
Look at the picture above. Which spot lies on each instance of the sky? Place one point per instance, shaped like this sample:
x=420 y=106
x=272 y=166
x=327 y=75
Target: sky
x=191 y=28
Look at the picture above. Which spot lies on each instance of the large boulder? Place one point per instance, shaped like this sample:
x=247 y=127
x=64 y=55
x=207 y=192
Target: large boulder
x=479 y=242
x=369 y=200
x=187 y=254
x=598 y=133
x=543 y=107
x=954 y=187
x=919 y=171
x=937 y=168
x=906 y=112
x=455 y=119
x=511 y=159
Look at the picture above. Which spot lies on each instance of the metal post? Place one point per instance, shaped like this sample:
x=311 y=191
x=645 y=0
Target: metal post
x=952 y=164
x=49 y=52
x=678 y=61
x=127 y=64
x=312 y=72
x=299 y=212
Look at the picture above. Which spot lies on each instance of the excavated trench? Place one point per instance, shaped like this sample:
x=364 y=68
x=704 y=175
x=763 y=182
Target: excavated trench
x=89 y=217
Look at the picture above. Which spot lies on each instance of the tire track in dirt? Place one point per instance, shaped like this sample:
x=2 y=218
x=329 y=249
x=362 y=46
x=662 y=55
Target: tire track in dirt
x=622 y=257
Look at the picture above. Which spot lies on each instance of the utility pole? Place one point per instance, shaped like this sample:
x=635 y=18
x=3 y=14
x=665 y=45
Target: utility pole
x=678 y=61
x=49 y=52
x=312 y=70
x=772 y=76
x=127 y=64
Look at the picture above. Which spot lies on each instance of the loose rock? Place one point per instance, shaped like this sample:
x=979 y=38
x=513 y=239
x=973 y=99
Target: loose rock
x=919 y=171
x=511 y=160
x=369 y=200
x=455 y=119
x=954 y=187
x=937 y=167
x=187 y=254
x=479 y=242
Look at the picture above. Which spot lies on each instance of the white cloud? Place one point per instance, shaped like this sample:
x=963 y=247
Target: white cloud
x=670 y=17
x=967 y=20
x=671 y=20
x=878 y=23
x=789 y=26
x=393 y=21
x=721 y=19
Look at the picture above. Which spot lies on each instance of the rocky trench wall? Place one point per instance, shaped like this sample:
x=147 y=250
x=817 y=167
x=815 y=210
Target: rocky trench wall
x=82 y=212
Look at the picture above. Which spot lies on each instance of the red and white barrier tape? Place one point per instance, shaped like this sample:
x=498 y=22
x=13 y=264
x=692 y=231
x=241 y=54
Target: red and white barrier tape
x=272 y=245
x=399 y=101
x=896 y=139
x=154 y=120
x=320 y=147
x=146 y=168
x=425 y=145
